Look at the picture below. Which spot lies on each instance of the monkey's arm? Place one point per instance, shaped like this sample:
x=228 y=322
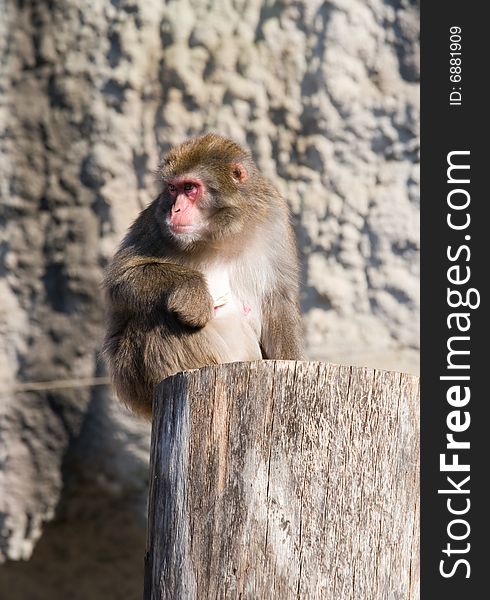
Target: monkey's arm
x=149 y=285
x=282 y=335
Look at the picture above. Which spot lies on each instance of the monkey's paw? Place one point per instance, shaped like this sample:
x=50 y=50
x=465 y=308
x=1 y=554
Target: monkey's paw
x=191 y=303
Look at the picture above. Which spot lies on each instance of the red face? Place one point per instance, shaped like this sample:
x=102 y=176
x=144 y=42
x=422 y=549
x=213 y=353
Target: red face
x=184 y=215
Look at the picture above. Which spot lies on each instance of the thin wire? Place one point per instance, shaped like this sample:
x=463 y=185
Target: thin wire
x=58 y=384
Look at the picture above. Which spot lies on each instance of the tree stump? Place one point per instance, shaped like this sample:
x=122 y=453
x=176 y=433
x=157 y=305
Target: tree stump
x=281 y=480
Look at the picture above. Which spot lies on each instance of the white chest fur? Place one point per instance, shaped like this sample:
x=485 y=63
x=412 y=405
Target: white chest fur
x=218 y=278
x=237 y=313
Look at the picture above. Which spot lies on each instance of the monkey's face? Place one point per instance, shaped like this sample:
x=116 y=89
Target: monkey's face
x=204 y=206
x=206 y=195
x=196 y=211
x=186 y=217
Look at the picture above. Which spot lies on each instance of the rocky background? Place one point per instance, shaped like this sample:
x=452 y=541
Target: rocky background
x=325 y=93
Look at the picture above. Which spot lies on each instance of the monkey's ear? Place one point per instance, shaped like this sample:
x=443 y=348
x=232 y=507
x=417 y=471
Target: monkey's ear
x=238 y=172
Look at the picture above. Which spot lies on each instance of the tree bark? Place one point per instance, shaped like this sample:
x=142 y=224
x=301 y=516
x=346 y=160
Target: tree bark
x=283 y=479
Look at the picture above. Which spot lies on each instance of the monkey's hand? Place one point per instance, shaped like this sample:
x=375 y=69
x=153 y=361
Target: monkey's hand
x=191 y=302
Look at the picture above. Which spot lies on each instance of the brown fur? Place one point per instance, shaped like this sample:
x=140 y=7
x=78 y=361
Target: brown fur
x=160 y=310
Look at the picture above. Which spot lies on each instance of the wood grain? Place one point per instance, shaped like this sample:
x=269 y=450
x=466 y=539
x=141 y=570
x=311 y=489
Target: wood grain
x=283 y=479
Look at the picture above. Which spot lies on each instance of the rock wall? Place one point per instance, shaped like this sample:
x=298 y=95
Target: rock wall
x=326 y=96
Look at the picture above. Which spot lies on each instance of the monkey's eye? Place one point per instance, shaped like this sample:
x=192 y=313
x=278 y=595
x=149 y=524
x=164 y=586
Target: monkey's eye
x=189 y=186
x=171 y=188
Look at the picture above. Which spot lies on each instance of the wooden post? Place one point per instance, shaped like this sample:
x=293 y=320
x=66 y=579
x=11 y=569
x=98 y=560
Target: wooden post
x=281 y=480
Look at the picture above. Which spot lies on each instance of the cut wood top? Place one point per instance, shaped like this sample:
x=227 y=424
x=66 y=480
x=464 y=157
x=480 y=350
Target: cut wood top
x=284 y=479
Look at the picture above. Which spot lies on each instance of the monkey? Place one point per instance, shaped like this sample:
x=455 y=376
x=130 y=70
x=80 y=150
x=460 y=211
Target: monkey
x=207 y=273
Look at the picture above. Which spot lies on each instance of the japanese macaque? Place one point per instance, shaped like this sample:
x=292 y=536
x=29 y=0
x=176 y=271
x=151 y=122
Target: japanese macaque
x=207 y=274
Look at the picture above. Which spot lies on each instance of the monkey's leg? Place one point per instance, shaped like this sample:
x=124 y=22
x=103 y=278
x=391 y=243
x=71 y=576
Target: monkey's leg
x=282 y=335
x=238 y=336
x=232 y=325
x=141 y=354
x=168 y=352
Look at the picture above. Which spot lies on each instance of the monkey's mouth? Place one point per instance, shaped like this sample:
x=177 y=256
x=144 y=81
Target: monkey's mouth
x=180 y=228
